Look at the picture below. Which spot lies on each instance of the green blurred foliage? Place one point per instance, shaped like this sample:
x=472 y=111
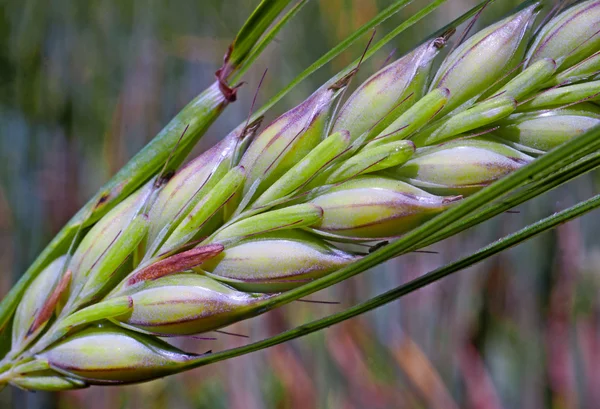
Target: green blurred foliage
x=85 y=84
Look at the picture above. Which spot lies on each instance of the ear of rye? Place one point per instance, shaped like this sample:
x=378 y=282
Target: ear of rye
x=223 y=242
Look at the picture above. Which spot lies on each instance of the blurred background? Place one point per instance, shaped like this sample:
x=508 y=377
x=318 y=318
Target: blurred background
x=85 y=84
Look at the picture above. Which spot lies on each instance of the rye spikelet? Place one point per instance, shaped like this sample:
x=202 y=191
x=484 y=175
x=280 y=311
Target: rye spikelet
x=264 y=212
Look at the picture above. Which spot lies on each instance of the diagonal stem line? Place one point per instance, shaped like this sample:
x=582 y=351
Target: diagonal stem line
x=268 y=37
x=400 y=291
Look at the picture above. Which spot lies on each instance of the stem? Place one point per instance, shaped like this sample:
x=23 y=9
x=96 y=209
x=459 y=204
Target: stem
x=257 y=50
x=253 y=29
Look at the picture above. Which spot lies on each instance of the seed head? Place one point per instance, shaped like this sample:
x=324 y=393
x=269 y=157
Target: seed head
x=404 y=79
x=185 y=304
x=112 y=355
x=288 y=139
x=484 y=59
x=373 y=207
x=34 y=303
x=276 y=261
x=570 y=37
x=460 y=167
x=544 y=130
x=103 y=251
x=188 y=186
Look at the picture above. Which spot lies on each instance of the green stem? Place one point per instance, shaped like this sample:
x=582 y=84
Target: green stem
x=426 y=279
x=265 y=41
x=253 y=29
